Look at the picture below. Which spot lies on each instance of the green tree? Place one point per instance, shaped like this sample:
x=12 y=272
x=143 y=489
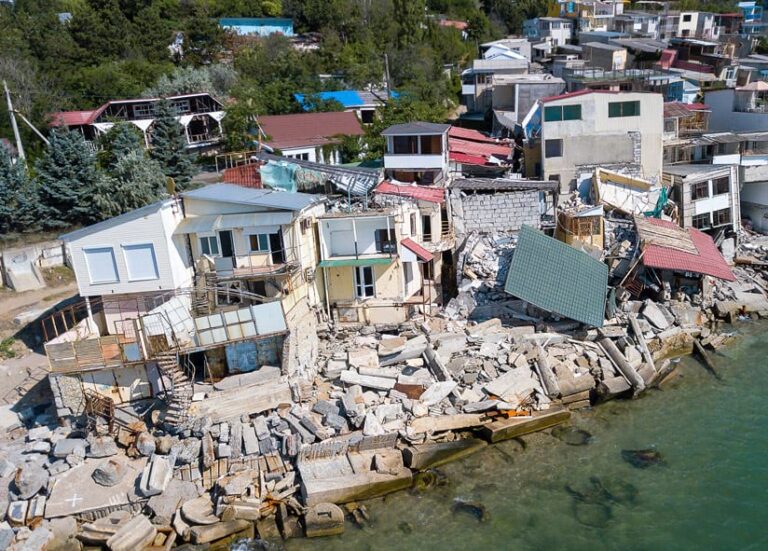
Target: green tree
x=133 y=181
x=13 y=180
x=409 y=15
x=120 y=140
x=169 y=147
x=67 y=179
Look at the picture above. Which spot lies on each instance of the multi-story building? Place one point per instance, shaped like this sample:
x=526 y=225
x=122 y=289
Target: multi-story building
x=199 y=114
x=556 y=30
x=638 y=24
x=739 y=109
x=707 y=196
x=572 y=134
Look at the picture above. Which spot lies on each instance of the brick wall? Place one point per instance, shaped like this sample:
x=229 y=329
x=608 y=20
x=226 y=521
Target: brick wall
x=496 y=212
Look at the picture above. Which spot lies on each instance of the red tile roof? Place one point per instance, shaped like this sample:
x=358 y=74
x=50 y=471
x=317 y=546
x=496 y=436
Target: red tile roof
x=469 y=134
x=456 y=145
x=465 y=159
x=245 y=175
x=421 y=193
x=709 y=261
x=461 y=25
x=309 y=129
x=72 y=118
x=423 y=254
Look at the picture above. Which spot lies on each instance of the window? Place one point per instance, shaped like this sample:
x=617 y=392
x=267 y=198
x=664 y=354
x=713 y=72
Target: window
x=101 y=265
x=141 y=262
x=429 y=270
x=700 y=190
x=562 y=113
x=426 y=228
x=624 y=109
x=553 y=148
x=259 y=242
x=408 y=273
x=721 y=217
x=364 y=282
x=701 y=221
x=143 y=111
x=687 y=18
x=209 y=245
x=300 y=156
x=721 y=186
x=405 y=145
x=384 y=243
x=413 y=224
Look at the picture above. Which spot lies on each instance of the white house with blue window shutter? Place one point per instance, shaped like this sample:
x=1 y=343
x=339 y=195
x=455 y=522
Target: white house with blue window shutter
x=136 y=252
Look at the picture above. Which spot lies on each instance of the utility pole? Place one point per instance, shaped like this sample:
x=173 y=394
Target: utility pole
x=19 y=146
x=386 y=76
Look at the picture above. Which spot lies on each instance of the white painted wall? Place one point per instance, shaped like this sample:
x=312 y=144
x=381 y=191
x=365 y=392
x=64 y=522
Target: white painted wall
x=156 y=228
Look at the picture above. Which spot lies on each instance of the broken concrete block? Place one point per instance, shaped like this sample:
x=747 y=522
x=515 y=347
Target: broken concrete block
x=213 y=532
x=224 y=433
x=187 y=451
x=656 y=315
x=17 y=513
x=223 y=450
x=324 y=407
x=250 y=442
x=372 y=426
x=39 y=433
x=336 y=422
x=377 y=383
x=38 y=540
x=137 y=533
x=437 y=392
x=236 y=439
x=199 y=511
x=68 y=446
x=363 y=357
x=354 y=406
x=209 y=453
x=261 y=427
x=145 y=444
x=324 y=519
x=156 y=476
x=413 y=349
x=334 y=368
x=391 y=345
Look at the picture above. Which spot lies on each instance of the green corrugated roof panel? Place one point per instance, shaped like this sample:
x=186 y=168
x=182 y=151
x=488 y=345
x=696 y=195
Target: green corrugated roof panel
x=354 y=262
x=554 y=276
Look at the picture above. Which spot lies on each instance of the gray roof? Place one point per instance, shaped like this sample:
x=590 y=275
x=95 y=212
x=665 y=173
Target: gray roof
x=603 y=46
x=230 y=193
x=116 y=220
x=641 y=44
x=685 y=170
x=418 y=127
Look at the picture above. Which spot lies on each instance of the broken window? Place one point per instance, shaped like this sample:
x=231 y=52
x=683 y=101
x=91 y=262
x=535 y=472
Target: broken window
x=721 y=217
x=364 y=282
x=385 y=243
x=624 y=109
x=429 y=270
x=553 y=148
x=721 y=186
x=700 y=190
x=701 y=221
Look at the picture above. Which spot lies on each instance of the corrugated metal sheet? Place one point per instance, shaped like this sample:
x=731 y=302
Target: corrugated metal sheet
x=556 y=277
x=207 y=224
x=229 y=193
x=422 y=193
x=423 y=254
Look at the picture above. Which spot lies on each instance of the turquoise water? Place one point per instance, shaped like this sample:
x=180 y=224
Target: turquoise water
x=711 y=492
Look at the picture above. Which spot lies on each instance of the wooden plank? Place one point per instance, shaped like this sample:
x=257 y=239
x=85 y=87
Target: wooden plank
x=504 y=429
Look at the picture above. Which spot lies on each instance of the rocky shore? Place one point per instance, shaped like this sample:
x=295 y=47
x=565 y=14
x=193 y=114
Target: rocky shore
x=387 y=403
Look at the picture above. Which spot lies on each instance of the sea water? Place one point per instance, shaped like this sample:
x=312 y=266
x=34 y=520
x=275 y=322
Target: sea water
x=709 y=492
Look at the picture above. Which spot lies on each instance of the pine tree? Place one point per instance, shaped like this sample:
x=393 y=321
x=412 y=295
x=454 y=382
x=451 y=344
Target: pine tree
x=169 y=147
x=13 y=181
x=120 y=140
x=134 y=181
x=67 y=180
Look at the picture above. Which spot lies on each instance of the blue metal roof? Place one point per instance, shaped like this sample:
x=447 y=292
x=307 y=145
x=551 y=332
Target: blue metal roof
x=255 y=22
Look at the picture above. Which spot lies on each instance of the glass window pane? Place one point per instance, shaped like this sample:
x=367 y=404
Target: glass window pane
x=263 y=242
x=614 y=109
x=571 y=112
x=204 y=245
x=553 y=113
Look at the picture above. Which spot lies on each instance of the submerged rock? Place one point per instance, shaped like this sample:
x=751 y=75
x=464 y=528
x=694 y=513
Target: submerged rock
x=405 y=527
x=473 y=508
x=642 y=459
x=426 y=480
x=572 y=436
x=620 y=491
x=592 y=492
x=595 y=515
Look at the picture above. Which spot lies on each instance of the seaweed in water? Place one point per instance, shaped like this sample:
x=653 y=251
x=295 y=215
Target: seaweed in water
x=475 y=509
x=642 y=459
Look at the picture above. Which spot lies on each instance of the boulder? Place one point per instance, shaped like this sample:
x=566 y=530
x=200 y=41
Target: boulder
x=108 y=473
x=38 y=540
x=101 y=446
x=164 y=444
x=145 y=444
x=30 y=479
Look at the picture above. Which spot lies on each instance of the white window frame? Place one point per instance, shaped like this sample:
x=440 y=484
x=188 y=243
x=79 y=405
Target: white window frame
x=88 y=265
x=151 y=246
x=361 y=288
x=208 y=235
x=258 y=239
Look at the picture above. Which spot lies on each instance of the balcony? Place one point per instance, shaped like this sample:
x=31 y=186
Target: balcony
x=414 y=161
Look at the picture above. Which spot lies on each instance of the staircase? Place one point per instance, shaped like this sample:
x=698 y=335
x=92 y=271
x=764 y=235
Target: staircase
x=179 y=396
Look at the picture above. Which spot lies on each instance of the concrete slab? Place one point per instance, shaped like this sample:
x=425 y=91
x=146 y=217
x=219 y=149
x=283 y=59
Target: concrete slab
x=76 y=492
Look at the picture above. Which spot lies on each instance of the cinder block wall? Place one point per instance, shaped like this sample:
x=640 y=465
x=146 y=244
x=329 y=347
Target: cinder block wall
x=500 y=211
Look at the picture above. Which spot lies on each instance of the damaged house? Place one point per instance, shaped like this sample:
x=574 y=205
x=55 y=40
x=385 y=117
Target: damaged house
x=192 y=289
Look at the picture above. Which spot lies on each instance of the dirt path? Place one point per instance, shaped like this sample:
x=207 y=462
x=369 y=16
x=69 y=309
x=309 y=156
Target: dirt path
x=11 y=303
